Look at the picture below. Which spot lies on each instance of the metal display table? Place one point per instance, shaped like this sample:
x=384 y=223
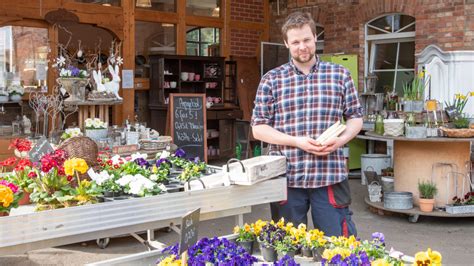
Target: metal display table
x=36 y=230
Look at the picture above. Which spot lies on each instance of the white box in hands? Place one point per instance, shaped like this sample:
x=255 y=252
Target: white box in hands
x=256 y=169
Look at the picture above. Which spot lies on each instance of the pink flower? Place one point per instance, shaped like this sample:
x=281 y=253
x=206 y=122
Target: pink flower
x=13 y=187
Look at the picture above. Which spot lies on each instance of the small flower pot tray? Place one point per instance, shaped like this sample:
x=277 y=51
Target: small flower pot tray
x=256 y=169
x=458 y=132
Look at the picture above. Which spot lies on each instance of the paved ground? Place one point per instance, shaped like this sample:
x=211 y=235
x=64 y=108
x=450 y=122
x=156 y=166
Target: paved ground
x=453 y=237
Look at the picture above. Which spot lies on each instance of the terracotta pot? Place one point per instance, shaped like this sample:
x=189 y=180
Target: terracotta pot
x=4 y=214
x=426 y=205
x=25 y=200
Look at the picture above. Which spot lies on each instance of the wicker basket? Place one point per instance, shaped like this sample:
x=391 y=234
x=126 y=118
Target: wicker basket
x=81 y=147
x=158 y=144
x=458 y=132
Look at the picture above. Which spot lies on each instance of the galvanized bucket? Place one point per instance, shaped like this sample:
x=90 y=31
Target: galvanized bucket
x=398 y=200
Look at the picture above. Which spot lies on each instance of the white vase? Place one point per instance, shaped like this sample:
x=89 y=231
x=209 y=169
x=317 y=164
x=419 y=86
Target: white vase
x=96 y=134
x=15 y=97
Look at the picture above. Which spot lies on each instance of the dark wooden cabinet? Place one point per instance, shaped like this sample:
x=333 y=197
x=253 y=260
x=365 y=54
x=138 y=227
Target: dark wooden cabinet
x=216 y=78
x=186 y=74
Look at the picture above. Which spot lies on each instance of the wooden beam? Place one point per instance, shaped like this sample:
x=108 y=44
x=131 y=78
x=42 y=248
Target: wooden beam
x=181 y=27
x=127 y=109
x=204 y=21
x=156 y=16
x=266 y=20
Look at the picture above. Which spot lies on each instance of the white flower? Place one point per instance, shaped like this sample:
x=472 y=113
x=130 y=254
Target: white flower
x=140 y=184
x=116 y=159
x=162 y=187
x=139 y=155
x=74 y=132
x=60 y=61
x=95 y=123
x=16 y=89
x=100 y=178
x=164 y=154
x=125 y=180
x=153 y=177
x=65 y=73
x=119 y=61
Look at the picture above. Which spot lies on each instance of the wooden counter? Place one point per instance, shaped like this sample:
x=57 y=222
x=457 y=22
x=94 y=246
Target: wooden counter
x=413 y=160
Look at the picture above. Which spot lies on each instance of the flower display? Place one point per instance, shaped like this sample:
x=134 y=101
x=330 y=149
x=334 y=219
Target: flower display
x=214 y=251
x=20 y=144
x=468 y=199
x=459 y=102
x=95 y=123
x=16 y=89
x=67 y=70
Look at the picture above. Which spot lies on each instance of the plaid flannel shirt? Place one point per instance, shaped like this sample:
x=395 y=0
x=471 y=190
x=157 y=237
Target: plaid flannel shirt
x=306 y=105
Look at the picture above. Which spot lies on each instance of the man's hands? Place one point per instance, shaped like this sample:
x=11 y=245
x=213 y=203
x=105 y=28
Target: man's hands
x=310 y=145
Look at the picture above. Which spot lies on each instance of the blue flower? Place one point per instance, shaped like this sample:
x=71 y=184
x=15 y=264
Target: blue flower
x=180 y=153
x=161 y=161
x=142 y=162
x=286 y=261
x=378 y=236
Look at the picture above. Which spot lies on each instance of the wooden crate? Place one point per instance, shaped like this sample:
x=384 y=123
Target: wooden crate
x=257 y=169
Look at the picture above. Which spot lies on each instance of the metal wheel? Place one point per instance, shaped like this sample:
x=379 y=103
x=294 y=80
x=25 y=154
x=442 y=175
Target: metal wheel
x=102 y=242
x=413 y=218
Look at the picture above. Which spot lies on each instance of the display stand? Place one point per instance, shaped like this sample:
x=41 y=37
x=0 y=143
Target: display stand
x=413 y=160
x=94 y=109
x=35 y=230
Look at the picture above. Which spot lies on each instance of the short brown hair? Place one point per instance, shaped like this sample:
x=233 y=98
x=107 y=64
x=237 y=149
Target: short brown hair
x=297 y=20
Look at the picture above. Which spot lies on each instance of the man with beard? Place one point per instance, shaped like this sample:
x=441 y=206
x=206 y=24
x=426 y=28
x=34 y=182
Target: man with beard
x=296 y=103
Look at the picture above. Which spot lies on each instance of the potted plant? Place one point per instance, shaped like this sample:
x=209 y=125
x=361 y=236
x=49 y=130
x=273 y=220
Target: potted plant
x=10 y=194
x=95 y=129
x=414 y=93
x=427 y=190
x=23 y=176
x=462 y=205
x=245 y=237
x=287 y=246
x=268 y=237
x=16 y=91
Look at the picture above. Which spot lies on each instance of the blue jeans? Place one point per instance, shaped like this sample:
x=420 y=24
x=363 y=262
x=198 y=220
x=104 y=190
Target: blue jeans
x=332 y=219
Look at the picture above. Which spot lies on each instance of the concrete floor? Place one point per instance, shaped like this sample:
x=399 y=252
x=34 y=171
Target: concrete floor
x=453 y=237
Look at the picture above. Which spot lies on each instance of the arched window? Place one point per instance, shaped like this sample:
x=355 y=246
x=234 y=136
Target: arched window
x=390 y=51
x=202 y=41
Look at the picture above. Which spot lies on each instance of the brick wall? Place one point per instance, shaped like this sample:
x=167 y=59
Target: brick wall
x=244 y=42
x=247 y=10
x=448 y=24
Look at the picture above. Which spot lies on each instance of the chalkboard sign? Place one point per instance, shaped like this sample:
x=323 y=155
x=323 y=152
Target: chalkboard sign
x=189 y=230
x=41 y=148
x=188 y=123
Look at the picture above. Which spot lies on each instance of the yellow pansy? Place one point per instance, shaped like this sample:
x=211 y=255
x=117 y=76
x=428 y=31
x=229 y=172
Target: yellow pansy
x=435 y=256
x=471 y=94
x=171 y=261
x=247 y=228
x=281 y=223
x=236 y=229
x=6 y=196
x=302 y=227
x=380 y=262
